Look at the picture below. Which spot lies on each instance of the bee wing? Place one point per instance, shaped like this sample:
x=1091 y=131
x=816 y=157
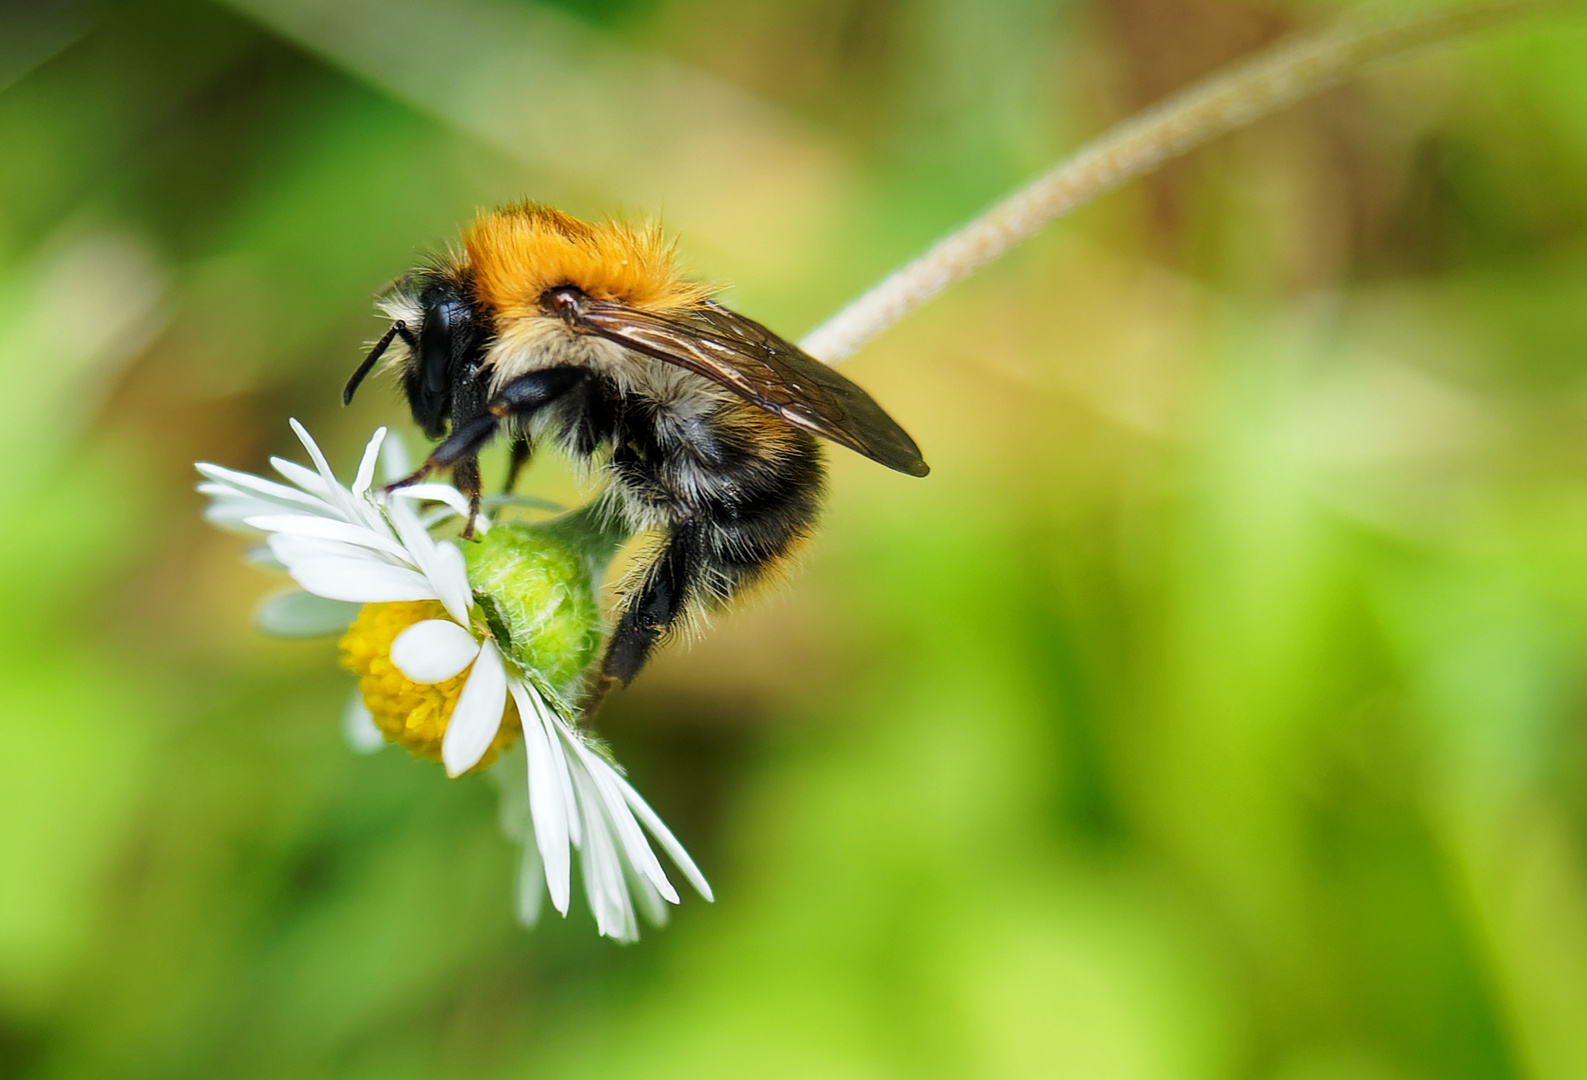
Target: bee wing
x=755 y=363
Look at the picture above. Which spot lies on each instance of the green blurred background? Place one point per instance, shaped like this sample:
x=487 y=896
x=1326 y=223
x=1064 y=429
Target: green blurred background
x=1215 y=709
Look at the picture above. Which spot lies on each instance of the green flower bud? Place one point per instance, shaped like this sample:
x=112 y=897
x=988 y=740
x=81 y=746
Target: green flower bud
x=538 y=588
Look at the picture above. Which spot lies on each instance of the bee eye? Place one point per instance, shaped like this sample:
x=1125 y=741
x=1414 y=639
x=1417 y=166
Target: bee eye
x=564 y=300
x=436 y=340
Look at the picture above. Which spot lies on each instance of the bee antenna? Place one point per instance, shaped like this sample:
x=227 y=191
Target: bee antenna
x=398 y=327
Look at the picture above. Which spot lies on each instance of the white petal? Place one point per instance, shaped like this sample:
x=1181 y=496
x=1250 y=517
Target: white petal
x=227 y=515
x=307 y=479
x=431 y=518
x=513 y=812
x=646 y=898
x=347 y=506
x=441 y=563
x=227 y=507
x=442 y=493
x=456 y=502
x=248 y=483
x=292 y=549
x=663 y=835
x=512 y=806
x=297 y=614
x=635 y=848
x=220 y=492
x=394 y=460
x=548 y=808
x=477 y=715
x=315 y=453
x=363 y=581
x=358 y=727
x=450 y=578
x=326 y=529
x=604 y=886
x=366 y=510
x=531 y=890
x=366 y=467
x=261 y=556
x=434 y=650
x=406 y=525
x=557 y=734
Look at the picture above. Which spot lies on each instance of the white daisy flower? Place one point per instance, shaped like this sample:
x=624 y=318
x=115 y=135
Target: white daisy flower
x=437 y=674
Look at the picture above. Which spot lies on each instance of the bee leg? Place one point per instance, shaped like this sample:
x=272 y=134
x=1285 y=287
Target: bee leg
x=597 y=694
x=652 y=609
x=519 y=398
x=412 y=478
x=465 y=476
x=520 y=458
x=464 y=442
x=461 y=452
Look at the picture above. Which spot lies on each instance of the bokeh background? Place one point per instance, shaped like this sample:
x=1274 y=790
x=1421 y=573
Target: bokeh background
x=1217 y=708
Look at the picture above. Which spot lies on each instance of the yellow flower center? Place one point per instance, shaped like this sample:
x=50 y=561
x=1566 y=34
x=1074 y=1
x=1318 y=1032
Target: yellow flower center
x=412 y=714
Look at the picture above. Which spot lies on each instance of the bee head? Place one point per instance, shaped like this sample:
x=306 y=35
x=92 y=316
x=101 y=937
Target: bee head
x=444 y=334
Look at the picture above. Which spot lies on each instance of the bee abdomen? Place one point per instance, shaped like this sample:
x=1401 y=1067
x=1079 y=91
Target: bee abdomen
x=743 y=492
x=748 y=545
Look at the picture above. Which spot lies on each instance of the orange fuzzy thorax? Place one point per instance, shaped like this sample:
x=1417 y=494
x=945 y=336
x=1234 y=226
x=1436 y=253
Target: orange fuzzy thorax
x=518 y=253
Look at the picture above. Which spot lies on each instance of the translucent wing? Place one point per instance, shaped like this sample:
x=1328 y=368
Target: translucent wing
x=750 y=360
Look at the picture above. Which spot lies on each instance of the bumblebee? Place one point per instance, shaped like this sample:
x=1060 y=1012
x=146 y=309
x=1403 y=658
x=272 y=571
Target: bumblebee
x=698 y=421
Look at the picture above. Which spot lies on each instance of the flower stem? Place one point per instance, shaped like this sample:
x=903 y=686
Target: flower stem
x=1225 y=101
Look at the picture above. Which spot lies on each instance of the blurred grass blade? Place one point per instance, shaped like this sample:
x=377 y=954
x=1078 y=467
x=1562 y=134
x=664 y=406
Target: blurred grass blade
x=31 y=33
x=731 y=169
x=1225 y=101
x=77 y=312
